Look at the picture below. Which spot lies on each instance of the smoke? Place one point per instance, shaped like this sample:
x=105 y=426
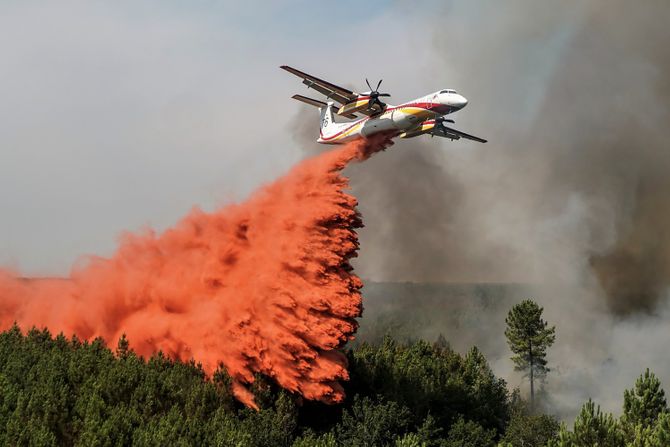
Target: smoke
x=573 y=181
x=574 y=189
x=613 y=150
x=569 y=195
x=264 y=286
x=579 y=190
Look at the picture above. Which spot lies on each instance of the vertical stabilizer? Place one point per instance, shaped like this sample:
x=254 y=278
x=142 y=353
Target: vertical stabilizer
x=326 y=118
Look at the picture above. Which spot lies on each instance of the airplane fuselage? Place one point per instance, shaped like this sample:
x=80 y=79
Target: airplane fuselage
x=396 y=120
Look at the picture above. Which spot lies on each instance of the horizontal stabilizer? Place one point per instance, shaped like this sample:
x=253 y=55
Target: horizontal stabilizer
x=320 y=104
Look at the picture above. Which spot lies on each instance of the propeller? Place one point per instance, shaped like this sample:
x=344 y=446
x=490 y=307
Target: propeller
x=375 y=95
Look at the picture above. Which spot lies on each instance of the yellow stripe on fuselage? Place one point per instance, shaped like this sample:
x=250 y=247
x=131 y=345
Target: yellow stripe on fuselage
x=419 y=112
x=346 y=133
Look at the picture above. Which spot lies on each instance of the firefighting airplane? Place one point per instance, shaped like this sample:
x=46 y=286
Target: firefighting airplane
x=425 y=115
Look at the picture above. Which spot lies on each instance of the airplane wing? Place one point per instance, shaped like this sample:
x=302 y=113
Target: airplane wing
x=448 y=132
x=332 y=91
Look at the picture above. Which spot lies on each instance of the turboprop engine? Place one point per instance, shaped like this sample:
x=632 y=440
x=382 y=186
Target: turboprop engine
x=361 y=103
x=365 y=101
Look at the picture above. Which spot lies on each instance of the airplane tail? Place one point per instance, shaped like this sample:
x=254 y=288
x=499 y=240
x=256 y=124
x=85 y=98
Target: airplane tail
x=327 y=120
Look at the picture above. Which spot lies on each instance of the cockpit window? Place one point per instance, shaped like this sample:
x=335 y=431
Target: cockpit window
x=448 y=91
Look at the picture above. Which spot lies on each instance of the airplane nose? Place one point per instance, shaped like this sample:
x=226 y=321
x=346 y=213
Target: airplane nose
x=460 y=101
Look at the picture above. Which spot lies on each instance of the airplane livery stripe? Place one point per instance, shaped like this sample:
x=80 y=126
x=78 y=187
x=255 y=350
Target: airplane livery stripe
x=417 y=106
x=347 y=130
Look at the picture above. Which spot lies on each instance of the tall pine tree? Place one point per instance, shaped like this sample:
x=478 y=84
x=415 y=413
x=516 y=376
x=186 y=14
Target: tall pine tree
x=529 y=337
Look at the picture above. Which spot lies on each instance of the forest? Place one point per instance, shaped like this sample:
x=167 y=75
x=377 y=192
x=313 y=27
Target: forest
x=60 y=391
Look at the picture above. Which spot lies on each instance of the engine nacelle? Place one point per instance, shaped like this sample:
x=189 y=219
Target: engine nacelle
x=361 y=103
x=424 y=127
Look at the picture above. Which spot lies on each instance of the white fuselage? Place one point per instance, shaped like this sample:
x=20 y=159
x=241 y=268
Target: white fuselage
x=394 y=120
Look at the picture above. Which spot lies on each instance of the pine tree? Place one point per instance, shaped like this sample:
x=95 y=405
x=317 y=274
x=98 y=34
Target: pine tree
x=564 y=438
x=469 y=434
x=529 y=337
x=591 y=428
x=594 y=428
x=640 y=437
x=123 y=347
x=530 y=430
x=645 y=402
x=661 y=436
x=409 y=440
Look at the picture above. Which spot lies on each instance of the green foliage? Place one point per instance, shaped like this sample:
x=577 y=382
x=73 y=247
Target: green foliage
x=55 y=391
x=645 y=402
x=312 y=440
x=372 y=423
x=645 y=421
x=275 y=425
x=528 y=429
x=469 y=434
x=431 y=380
x=429 y=433
x=662 y=431
x=645 y=413
x=591 y=428
x=528 y=337
x=410 y=440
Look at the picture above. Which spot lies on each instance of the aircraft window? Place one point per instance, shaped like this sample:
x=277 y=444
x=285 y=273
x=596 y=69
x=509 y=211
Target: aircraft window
x=448 y=91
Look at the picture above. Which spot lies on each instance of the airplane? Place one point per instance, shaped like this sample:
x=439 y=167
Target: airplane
x=425 y=115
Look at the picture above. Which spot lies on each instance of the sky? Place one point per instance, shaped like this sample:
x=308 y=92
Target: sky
x=121 y=115
x=117 y=116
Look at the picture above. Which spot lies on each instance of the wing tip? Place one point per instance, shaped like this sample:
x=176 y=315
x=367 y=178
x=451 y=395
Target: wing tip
x=290 y=69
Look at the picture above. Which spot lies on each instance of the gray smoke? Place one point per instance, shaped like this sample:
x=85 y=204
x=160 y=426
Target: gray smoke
x=603 y=128
x=571 y=194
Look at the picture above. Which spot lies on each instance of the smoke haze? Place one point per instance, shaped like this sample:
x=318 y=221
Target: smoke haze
x=570 y=196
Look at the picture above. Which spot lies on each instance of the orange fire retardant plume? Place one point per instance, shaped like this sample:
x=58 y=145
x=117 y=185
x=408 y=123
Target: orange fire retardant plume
x=264 y=286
